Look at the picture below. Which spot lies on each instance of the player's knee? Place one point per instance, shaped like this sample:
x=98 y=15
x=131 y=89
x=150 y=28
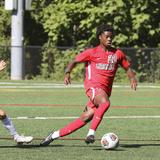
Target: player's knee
x=104 y=101
x=87 y=116
x=2 y=115
x=101 y=100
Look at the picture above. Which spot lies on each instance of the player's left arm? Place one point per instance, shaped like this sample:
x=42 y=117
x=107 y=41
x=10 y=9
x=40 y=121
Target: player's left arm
x=80 y=58
x=126 y=64
x=132 y=77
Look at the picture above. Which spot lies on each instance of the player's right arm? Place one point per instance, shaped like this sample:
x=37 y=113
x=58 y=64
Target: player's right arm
x=82 y=57
x=67 y=77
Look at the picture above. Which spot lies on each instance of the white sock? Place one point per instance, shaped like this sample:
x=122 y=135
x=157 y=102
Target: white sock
x=91 y=132
x=55 y=135
x=7 y=123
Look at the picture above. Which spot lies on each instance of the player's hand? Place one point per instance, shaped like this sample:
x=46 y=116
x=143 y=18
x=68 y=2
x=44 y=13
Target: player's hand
x=133 y=82
x=2 y=65
x=67 y=79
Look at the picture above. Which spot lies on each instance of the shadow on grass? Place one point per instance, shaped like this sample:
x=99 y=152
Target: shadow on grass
x=49 y=146
x=138 y=145
x=30 y=146
x=94 y=147
x=109 y=150
x=37 y=146
x=122 y=147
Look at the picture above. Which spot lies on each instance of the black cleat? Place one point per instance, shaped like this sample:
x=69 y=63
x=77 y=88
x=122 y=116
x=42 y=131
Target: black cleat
x=90 y=139
x=47 y=140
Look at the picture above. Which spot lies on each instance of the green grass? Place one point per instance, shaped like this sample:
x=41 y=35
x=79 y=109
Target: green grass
x=139 y=137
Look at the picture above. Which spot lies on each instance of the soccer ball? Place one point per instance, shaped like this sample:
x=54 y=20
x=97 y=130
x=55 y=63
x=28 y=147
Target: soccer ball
x=109 y=141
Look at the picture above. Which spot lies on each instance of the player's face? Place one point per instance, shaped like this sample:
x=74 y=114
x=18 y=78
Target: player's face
x=106 y=38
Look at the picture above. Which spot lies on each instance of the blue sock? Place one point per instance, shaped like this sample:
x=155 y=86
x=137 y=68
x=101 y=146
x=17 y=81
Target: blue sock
x=7 y=123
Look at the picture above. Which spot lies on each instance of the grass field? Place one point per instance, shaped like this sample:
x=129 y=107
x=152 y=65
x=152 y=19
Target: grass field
x=38 y=108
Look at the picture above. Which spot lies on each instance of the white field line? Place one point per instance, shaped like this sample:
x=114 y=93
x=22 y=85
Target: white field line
x=109 y=117
x=60 y=85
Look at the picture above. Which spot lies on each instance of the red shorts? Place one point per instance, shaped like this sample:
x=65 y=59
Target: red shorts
x=91 y=93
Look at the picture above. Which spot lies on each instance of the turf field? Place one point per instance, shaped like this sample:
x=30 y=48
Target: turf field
x=38 y=108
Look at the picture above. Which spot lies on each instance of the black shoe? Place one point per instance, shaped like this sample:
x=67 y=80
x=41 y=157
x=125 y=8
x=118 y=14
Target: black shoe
x=90 y=139
x=47 y=140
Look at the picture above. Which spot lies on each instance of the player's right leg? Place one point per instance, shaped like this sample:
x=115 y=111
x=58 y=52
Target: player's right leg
x=85 y=117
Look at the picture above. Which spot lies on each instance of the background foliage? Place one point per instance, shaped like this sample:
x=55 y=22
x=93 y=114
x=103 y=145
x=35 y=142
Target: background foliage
x=72 y=23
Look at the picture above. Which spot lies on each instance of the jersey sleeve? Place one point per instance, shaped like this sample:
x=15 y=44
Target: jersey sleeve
x=124 y=62
x=83 y=56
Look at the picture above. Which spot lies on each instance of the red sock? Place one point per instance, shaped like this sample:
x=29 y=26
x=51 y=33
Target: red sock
x=98 y=115
x=71 y=127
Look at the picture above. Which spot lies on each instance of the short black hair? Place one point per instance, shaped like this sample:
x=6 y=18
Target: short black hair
x=102 y=28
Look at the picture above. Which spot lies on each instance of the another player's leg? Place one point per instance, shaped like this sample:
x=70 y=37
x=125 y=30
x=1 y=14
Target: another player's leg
x=20 y=139
x=7 y=123
x=71 y=127
x=101 y=100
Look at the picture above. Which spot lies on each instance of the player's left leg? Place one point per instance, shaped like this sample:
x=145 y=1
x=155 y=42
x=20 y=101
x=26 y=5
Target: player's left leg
x=101 y=100
x=85 y=117
x=7 y=123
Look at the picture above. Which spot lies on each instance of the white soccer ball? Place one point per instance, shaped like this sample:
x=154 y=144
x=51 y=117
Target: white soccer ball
x=109 y=141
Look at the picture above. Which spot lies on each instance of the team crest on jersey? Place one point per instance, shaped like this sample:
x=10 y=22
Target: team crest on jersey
x=112 y=59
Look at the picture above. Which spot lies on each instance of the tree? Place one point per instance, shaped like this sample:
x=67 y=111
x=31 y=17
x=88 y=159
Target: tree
x=73 y=23
x=135 y=22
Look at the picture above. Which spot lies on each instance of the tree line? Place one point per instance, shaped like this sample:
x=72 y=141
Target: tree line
x=72 y=23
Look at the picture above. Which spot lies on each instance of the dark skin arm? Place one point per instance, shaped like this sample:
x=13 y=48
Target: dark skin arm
x=67 y=78
x=133 y=81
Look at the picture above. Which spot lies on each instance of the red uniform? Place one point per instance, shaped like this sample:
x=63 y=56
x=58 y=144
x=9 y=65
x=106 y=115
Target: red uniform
x=101 y=67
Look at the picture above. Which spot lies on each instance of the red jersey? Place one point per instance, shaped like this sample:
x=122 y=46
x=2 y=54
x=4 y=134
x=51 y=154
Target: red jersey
x=101 y=66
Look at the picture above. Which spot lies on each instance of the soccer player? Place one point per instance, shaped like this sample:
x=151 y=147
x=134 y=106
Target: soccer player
x=7 y=123
x=101 y=64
